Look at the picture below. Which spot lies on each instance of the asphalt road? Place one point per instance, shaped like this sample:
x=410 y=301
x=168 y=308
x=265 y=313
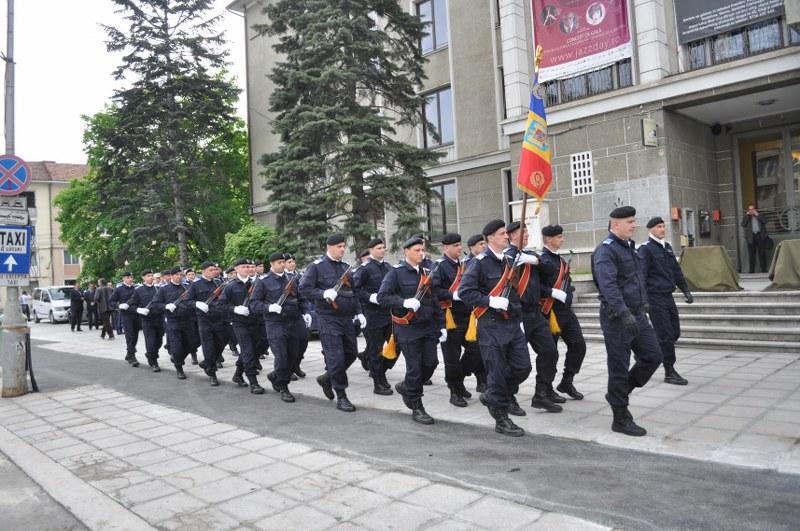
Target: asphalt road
x=620 y=488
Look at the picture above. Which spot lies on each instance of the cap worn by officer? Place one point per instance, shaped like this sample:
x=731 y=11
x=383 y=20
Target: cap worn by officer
x=335 y=239
x=552 y=230
x=493 y=226
x=243 y=261
x=229 y=271
x=373 y=242
x=127 y=274
x=412 y=241
x=277 y=256
x=475 y=239
x=512 y=227
x=363 y=253
x=623 y=212
x=205 y=265
x=259 y=262
x=147 y=272
x=174 y=271
x=451 y=238
x=654 y=221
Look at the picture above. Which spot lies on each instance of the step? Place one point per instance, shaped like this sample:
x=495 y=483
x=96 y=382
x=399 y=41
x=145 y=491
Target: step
x=726 y=297
x=740 y=308
x=721 y=332
x=787 y=347
x=711 y=319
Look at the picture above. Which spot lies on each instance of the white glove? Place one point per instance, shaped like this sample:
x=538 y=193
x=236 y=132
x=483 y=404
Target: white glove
x=330 y=294
x=498 y=303
x=362 y=320
x=525 y=258
x=373 y=298
x=307 y=320
x=171 y=307
x=124 y=306
x=241 y=310
x=443 y=335
x=522 y=327
x=412 y=304
x=455 y=296
x=200 y=305
x=142 y=311
x=559 y=295
x=275 y=308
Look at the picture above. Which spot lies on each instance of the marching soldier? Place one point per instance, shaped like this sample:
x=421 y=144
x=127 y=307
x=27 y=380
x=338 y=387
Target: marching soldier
x=500 y=334
x=623 y=301
x=235 y=299
x=277 y=298
x=537 y=330
x=368 y=280
x=189 y=278
x=152 y=322
x=120 y=300
x=476 y=245
x=662 y=273
x=556 y=277
x=290 y=267
x=230 y=276
x=210 y=319
x=418 y=324
x=169 y=301
x=328 y=282
x=450 y=270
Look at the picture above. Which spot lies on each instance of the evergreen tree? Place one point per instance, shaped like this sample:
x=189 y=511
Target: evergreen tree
x=345 y=88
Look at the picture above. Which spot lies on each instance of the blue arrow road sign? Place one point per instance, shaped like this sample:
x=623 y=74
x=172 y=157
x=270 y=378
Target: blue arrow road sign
x=15 y=250
x=15 y=175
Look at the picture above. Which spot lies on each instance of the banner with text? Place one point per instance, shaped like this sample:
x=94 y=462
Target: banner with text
x=579 y=36
x=697 y=19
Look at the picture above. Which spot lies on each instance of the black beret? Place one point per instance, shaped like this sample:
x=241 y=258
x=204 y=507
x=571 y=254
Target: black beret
x=288 y=256
x=450 y=238
x=165 y=272
x=174 y=271
x=243 y=261
x=363 y=253
x=513 y=226
x=654 y=221
x=374 y=241
x=207 y=264
x=475 y=239
x=127 y=274
x=623 y=212
x=493 y=226
x=412 y=241
x=277 y=256
x=147 y=272
x=189 y=270
x=552 y=230
x=259 y=262
x=229 y=271
x=335 y=239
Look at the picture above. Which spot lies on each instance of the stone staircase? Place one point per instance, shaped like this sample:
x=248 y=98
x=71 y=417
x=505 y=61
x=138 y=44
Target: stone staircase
x=746 y=320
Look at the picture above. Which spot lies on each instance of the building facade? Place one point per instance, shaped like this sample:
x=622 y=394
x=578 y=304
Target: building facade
x=687 y=109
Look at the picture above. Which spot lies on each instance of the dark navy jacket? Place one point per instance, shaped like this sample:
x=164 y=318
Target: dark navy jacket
x=323 y=274
x=442 y=280
x=122 y=294
x=172 y=293
x=551 y=264
x=401 y=283
x=268 y=290
x=235 y=294
x=202 y=290
x=618 y=276
x=368 y=280
x=482 y=275
x=141 y=298
x=661 y=268
x=536 y=289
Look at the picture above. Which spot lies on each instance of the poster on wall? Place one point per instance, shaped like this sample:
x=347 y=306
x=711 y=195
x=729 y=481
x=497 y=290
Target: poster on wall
x=579 y=36
x=697 y=19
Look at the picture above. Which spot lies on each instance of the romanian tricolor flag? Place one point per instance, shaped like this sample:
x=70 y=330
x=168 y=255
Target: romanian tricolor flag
x=535 y=174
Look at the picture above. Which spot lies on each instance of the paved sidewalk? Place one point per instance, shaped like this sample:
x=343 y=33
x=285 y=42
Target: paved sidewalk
x=117 y=462
x=739 y=408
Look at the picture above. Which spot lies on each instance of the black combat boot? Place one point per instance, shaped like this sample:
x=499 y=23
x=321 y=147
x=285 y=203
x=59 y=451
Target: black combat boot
x=481 y=378
x=505 y=425
x=463 y=391
x=401 y=390
x=194 y=358
x=555 y=397
x=541 y=401
x=212 y=379
x=567 y=388
x=671 y=376
x=180 y=373
x=155 y=368
x=455 y=396
x=428 y=382
x=238 y=377
x=362 y=357
x=342 y=403
x=324 y=381
x=418 y=413
x=513 y=407
x=385 y=382
x=379 y=389
x=286 y=395
x=254 y=387
x=133 y=361
x=271 y=378
x=623 y=422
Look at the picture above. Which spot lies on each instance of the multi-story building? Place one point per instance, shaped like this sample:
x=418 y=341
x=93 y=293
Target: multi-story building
x=687 y=109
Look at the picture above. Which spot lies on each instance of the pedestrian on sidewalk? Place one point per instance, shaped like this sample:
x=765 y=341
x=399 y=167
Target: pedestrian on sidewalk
x=25 y=304
x=92 y=316
x=75 y=308
x=102 y=296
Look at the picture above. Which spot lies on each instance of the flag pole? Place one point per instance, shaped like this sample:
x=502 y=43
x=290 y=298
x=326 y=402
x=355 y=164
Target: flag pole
x=522 y=225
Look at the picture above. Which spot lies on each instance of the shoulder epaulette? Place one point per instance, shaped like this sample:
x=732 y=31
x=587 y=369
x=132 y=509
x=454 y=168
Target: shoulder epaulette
x=318 y=261
x=396 y=266
x=608 y=241
x=481 y=256
x=439 y=260
x=648 y=241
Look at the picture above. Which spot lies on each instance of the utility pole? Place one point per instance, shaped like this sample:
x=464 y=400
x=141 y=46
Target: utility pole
x=15 y=328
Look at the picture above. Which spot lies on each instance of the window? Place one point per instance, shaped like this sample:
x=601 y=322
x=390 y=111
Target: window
x=582 y=173
x=513 y=193
x=606 y=79
x=742 y=42
x=70 y=259
x=434 y=14
x=442 y=210
x=438 y=126
x=794 y=34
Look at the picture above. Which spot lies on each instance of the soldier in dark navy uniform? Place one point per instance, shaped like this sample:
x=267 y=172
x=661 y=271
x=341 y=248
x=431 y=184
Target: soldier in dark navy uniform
x=189 y=278
x=662 y=273
x=152 y=321
x=570 y=328
x=418 y=324
x=120 y=300
x=537 y=330
x=210 y=318
x=476 y=245
x=335 y=312
x=291 y=270
x=169 y=301
x=287 y=321
x=230 y=276
x=623 y=304
x=368 y=280
x=500 y=334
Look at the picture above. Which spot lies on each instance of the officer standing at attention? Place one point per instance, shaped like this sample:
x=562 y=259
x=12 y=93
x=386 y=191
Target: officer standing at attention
x=170 y=301
x=287 y=321
x=335 y=311
x=120 y=300
x=623 y=300
x=662 y=273
x=368 y=280
x=418 y=323
x=152 y=322
x=571 y=333
x=500 y=334
x=210 y=319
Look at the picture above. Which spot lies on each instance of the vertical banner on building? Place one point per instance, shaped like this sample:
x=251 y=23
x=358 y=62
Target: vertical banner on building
x=580 y=35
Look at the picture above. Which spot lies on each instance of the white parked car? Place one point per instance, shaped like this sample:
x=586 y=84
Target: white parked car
x=51 y=303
